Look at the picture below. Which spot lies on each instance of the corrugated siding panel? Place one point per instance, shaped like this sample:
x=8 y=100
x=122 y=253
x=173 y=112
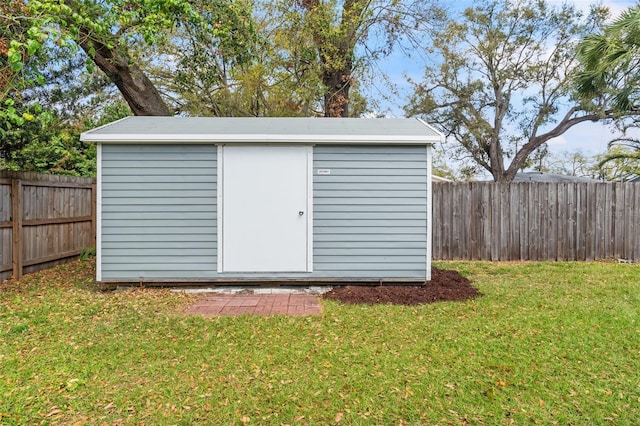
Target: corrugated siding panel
x=159 y=211
x=370 y=212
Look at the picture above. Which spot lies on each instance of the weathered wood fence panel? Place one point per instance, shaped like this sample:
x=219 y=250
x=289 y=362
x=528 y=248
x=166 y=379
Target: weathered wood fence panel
x=44 y=219
x=5 y=229
x=536 y=221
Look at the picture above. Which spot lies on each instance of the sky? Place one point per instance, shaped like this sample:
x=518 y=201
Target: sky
x=590 y=138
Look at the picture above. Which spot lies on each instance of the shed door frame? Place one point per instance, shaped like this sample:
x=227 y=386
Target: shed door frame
x=308 y=213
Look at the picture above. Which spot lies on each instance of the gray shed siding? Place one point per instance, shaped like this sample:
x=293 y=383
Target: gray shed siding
x=370 y=212
x=159 y=212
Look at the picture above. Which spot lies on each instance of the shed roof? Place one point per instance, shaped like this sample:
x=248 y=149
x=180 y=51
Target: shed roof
x=549 y=177
x=265 y=130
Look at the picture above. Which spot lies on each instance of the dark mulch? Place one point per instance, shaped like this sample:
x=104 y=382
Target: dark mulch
x=444 y=285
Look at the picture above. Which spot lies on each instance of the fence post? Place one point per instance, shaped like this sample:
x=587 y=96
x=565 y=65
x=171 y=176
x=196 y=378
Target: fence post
x=16 y=216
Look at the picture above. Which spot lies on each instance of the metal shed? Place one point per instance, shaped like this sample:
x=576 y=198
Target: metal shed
x=213 y=200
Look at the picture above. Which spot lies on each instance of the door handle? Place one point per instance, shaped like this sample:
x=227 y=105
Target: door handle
x=300 y=213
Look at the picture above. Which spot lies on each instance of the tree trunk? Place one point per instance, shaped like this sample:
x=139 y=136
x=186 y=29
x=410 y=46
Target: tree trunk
x=336 y=98
x=136 y=88
x=336 y=52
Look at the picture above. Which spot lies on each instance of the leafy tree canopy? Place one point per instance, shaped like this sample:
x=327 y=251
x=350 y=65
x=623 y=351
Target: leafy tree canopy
x=619 y=163
x=610 y=64
x=109 y=31
x=501 y=83
x=50 y=51
x=339 y=39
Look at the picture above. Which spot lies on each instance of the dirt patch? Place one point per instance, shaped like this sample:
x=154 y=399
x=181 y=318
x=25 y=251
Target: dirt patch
x=444 y=285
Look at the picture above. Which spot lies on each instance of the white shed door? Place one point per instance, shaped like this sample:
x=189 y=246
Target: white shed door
x=264 y=208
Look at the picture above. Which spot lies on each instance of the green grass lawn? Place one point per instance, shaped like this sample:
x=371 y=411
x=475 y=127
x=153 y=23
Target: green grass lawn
x=547 y=343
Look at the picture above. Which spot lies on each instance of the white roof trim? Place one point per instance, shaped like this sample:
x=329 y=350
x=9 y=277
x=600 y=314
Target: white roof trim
x=260 y=138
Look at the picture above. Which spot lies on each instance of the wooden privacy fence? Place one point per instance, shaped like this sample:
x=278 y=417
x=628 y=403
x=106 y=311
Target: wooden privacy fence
x=536 y=221
x=44 y=219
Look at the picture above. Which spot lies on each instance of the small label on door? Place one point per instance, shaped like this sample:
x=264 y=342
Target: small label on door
x=324 y=171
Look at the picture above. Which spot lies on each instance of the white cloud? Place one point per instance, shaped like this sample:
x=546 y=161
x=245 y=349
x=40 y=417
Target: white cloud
x=589 y=137
x=559 y=141
x=617 y=6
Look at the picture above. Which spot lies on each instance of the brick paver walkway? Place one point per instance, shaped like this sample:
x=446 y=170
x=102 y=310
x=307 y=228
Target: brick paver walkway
x=257 y=304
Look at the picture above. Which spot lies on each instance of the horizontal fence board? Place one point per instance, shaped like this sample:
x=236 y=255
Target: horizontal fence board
x=52 y=257
x=40 y=184
x=36 y=222
x=42 y=177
